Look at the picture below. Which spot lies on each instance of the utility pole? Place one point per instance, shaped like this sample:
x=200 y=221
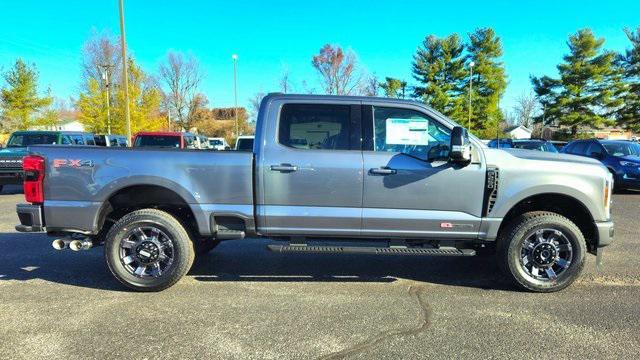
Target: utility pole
x=471 y=65
x=105 y=77
x=125 y=72
x=234 y=57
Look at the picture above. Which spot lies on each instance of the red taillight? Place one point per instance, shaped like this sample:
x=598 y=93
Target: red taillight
x=33 y=167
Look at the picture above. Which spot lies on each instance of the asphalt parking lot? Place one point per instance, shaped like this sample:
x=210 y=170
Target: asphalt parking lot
x=241 y=301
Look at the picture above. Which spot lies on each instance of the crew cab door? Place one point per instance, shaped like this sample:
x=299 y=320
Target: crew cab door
x=310 y=169
x=410 y=188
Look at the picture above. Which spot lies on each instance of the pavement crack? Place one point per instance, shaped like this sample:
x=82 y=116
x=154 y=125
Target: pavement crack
x=423 y=324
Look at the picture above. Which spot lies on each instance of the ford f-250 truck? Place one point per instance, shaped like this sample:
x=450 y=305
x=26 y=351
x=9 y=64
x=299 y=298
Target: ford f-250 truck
x=397 y=176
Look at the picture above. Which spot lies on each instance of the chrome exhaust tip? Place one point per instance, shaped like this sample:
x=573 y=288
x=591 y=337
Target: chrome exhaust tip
x=77 y=245
x=59 y=244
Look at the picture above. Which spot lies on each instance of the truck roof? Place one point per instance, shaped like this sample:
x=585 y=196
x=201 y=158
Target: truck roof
x=49 y=132
x=276 y=95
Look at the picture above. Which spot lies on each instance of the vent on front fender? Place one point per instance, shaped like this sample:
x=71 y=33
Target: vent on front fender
x=490 y=189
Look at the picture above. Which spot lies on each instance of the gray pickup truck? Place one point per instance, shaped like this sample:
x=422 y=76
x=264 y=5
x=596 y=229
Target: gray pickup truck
x=381 y=176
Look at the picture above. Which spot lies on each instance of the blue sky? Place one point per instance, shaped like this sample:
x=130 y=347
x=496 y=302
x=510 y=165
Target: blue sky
x=270 y=36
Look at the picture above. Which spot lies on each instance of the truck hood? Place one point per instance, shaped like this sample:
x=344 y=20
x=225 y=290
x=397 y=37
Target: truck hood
x=14 y=152
x=549 y=156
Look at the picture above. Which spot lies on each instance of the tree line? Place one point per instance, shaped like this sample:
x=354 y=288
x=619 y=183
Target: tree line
x=595 y=87
x=170 y=99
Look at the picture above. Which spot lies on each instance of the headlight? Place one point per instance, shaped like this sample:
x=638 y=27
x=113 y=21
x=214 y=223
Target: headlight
x=629 y=163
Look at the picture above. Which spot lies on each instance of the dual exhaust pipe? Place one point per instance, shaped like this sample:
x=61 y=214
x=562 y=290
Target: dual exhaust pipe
x=75 y=245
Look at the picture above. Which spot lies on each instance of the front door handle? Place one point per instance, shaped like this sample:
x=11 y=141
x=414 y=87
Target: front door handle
x=382 y=171
x=284 y=168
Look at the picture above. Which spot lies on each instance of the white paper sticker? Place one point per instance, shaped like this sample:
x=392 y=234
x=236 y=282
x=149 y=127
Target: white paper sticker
x=407 y=131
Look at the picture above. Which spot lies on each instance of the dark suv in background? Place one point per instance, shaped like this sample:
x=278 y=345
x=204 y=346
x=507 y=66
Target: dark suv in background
x=11 y=156
x=528 y=144
x=621 y=157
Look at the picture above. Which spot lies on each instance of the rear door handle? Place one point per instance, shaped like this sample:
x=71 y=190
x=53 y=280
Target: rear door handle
x=284 y=168
x=382 y=171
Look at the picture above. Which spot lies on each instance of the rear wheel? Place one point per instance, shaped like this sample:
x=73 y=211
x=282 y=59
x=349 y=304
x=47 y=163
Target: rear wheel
x=148 y=250
x=542 y=251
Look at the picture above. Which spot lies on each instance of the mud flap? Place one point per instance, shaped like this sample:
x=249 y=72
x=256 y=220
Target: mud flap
x=599 y=267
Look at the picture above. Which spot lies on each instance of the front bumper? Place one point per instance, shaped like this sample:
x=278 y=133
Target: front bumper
x=31 y=219
x=605 y=231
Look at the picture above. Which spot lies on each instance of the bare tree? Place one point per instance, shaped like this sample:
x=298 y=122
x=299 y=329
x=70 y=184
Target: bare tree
x=255 y=101
x=337 y=70
x=369 y=85
x=182 y=76
x=101 y=53
x=285 y=82
x=525 y=109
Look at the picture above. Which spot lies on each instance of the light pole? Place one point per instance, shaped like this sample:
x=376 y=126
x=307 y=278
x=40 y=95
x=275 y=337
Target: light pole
x=234 y=57
x=105 y=77
x=125 y=75
x=471 y=65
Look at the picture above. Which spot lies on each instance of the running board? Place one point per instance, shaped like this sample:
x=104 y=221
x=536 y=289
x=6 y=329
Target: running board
x=449 y=251
x=229 y=235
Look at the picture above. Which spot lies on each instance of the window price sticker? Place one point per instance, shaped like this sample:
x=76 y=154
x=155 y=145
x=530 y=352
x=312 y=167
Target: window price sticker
x=407 y=131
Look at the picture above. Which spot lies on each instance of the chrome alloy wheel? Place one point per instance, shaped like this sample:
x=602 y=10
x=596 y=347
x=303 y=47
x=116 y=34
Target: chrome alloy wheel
x=146 y=251
x=546 y=254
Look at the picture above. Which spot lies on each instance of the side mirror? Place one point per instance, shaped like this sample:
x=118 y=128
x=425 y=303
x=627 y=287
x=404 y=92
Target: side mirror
x=460 y=146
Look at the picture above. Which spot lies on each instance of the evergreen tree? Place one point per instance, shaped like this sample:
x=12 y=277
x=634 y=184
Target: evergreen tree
x=489 y=82
x=438 y=66
x=20 y=101
x=629 y=114
x=394 y=88
x=587 y=92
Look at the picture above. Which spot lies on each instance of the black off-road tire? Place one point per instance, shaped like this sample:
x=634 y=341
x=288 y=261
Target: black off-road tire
x=511 y=239
x=183 y=249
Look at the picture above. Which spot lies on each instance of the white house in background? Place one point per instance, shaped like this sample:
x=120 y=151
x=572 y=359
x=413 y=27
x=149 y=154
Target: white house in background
x=518 y=132
x=70 y=125
x=64 y=125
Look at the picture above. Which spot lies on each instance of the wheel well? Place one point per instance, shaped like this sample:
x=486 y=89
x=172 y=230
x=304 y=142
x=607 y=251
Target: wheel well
x=564 y=205
x=138 y=197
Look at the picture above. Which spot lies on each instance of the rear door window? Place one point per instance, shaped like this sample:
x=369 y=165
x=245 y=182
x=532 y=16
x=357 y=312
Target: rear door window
x=315 y=126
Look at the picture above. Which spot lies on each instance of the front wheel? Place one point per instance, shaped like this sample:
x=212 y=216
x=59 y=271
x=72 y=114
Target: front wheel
x=542 y=251
x=148 y=250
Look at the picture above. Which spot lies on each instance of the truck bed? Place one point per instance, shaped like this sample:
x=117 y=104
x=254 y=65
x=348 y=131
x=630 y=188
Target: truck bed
x=79 y=180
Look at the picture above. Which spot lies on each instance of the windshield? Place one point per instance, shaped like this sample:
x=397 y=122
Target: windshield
x=157 y=141
x=215 y=142
x=244 y=144
x=21 y=140
x=622 y=148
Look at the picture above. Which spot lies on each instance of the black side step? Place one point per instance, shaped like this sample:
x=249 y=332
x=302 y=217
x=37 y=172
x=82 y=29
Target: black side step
x=371 y=250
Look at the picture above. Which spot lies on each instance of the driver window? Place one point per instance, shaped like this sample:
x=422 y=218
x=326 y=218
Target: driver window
x=594 y=148
x=410 y=132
